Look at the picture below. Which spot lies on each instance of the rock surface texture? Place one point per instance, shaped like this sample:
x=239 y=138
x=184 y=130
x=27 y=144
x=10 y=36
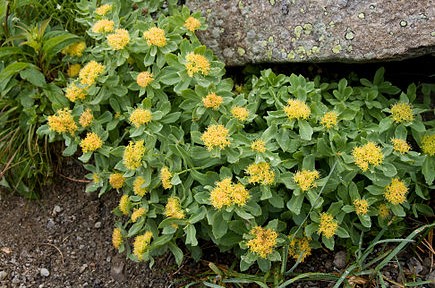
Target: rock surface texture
x=256 y=31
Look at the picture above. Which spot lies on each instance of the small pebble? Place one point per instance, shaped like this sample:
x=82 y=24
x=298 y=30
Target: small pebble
x=83 y=268
x=16 y=280
x=97 y=225
x=340 y=259
x=3 y=275
x=57 y=209
x=44 y=272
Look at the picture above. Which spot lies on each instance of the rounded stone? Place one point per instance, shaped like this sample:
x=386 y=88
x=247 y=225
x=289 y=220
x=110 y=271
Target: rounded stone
x=44 y=272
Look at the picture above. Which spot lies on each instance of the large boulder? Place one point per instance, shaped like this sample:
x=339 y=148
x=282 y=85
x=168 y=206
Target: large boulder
x=256 y=31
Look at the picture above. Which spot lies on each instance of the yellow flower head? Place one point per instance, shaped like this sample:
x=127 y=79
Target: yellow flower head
x=197 y=63
x=74 y=92
x=103 y=26
x=91 y=142
x=212 y=101
x=137 y=213
x=361 y=206
x=240 y=113
x=124 y=204
x=400 y=145
x=428 y=144
x=327 y=225
x=305 y=179
x=144 y=79
x=258 y=146
x=90 y=72
x=119 y=39
x=62 y=121
x=155 y=36
x=299 y=248
x=173 y=208
x=73 y=70
x=260 y=173
x=383 y=211
x=75 y=49
x=226 y=194
x=141 y=244
x=395 y=193
x=138 y=186
x=216 y=136
x=116 y=238
x=133 y=154
x=367 y=154
x=402 y=112
x=330 y=119
x=86 y=118
x=192 y=24
x=96 y=177
x=103 y=9
x=297 y=109
x=116 y=180
x=239 y=194
x=263 y=242
x=140 y=116
x=166 y=177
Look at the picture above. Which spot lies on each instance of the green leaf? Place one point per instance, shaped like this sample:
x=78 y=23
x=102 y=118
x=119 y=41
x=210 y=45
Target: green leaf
x=6 y=52
x=264 y=264
x=11 y=70
x=219 y=226
x=328 y=242
x=353 y=191
x=191 y=235
x=276 y=201
x=342 y=233
x=398 y=210
x=136 y=227
x=305 y=130
x=389 y=169
x=365 y=220
x=54 y=45
x=428 y=169
x=177 y=252
x=295 y=203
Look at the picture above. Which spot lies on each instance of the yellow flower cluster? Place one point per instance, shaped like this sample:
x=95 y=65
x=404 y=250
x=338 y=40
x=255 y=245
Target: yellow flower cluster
x=116 y=180
x=86 y=118
x=383 y=211
x=240 y=113
x=73 y=70
x=133 y=154
x=96 y=177
x=62 y=121
x=103 y=9
x=395 y=193
x=137 y=213
x=141 y=244
x=166 y=176
x=90 y=72
x=263 y=242
x=91 y=142
x=75 y=49
x=330 y=119
x=327 y=225
x=155 y=36
x=215 y=136
x=297 y=109
x=260 y=173
x=116 y=238
x=140 y=116
x=428 y=144
x=305 y=179
x=400 y=145
x=74 y=92
x=138 y=186
x=212 y=101
x=192 y=24
x=173 y=208
x=119 y=39
x=259 y=146
x=361 y=206
x=124 y=204
x=144 y=79
x=197 y=63
x=367 y=154
x=103 y=26
x=226 y=194
x=299 y=248
x=402 y=112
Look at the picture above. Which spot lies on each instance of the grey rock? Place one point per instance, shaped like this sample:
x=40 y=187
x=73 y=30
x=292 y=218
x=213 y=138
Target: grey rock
x=415 y=266
x=83 y=268
x=431 y=277
x=50 y=223
x=3 y=275
x=44 y=272
x=97 y=225
x=16 y=280
x=340 y=259
x=56 y=210
x=117 y=269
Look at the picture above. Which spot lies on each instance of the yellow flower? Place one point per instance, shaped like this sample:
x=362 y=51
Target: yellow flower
x=263 y=242
x=116 y=180
x=226 y=194
x=297 y=109
x=140 y=116
x=62 y=121
x=103 y=9
x=90 y=72
x=327 y=225
x=116 y=238
x=260 y=173
x=299 y=248
x=119 y=39
x=428 y=144
x=361 y=206
x=138 y=186
x=75 y=49
x=192 y=24
x=212 y=101
x=74 y=92
x=155 y=36
x=239 y=194
x=305 y=179
x=258 y=146
x=173 y=208
x=395 y=193
x=124 y=204
x=330 y=119
x=402 y=112
x=383 y=211
x=137 y=213
x=96 y=178
x=91 y=142
x=216 y=136
x=144 y=79
x=197 y=63
x=367 y=154
x=86 y=118
x=73 y=70
x=133 y=154
x=103 y=26
x=166 y=176
x=400 y=145
x=141 y=244
x=240 y=113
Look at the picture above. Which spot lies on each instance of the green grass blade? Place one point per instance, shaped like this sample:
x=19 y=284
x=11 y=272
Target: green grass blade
x=308 y=277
